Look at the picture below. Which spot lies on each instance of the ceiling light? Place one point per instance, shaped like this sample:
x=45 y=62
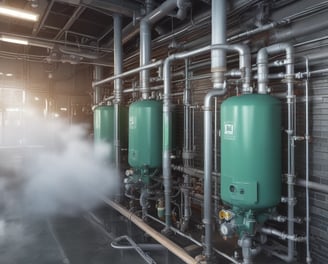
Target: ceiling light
x=9 y=74
x=17 y=13
x=14 y=40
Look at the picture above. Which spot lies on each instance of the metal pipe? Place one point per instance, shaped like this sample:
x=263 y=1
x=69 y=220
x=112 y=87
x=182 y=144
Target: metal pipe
x=118 y=68
x=301 y=28
x=307 y=139
x=282 y=235
x=127 y=73
x=145 y=57
x=262 y=64
x=207 y=220
x=177 y=231
x=313 y=185
x=245 y=67
x=134 y=245
x=171 y=246
x=187 y=147
x=218 y=56
x=97 y=75
x=192 y=171
x=145 y=38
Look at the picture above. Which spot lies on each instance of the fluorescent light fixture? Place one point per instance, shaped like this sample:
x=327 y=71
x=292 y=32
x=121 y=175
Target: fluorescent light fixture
x=9 y=74
x=36 y=98
x=13 y=109
x=18 y=13
x=63 y=109
x=14 y=40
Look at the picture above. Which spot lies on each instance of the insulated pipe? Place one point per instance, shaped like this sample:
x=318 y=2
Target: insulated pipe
x=118 y=68
x=171 y=246
x=218 y=56
x=97 y=76
x=262 y=64
x=245 y=67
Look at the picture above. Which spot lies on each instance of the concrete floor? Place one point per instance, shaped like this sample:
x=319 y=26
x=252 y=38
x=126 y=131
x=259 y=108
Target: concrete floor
x=74 y=240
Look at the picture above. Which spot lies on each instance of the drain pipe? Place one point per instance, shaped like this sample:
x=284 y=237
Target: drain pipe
x=118 y=68
x=262 y=62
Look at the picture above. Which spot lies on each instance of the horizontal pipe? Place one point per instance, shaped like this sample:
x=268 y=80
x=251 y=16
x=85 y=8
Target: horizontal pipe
x=177 y=231
x=136 y=247
x=171 y=246
x=313 y=185
x=133 y=71
x=282 y=235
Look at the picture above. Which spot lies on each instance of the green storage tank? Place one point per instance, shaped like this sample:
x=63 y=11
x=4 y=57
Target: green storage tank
x=145 y=134
x=103 y=125
x=251 y=151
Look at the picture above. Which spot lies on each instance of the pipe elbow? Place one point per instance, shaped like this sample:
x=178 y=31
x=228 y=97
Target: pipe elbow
x=213 y=93
x=183 y=6
x=262 y=56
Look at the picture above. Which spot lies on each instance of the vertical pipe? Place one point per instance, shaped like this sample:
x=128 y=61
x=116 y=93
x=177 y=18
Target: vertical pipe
x=291 y=147
x=218 y=56
x=207 y=220
x=215 y=168
x=218 y=67
x=262 y=61
x=145 y=57
x=187 y=147
x=167 y=117
x=307 y=138
x=97 y=76
x=118 y=68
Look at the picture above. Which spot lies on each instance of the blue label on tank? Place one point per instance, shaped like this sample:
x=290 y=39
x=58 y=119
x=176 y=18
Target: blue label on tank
x=229 y=130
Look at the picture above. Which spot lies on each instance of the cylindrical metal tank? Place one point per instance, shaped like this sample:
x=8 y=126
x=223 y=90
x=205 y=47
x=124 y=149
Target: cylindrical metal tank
x=145 y=134
x=103 y=124
x=251 y=151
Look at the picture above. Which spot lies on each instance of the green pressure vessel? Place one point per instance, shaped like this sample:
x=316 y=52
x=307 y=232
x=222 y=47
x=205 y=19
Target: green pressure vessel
x=251 y=151
x=104 y=126
x=145 y=134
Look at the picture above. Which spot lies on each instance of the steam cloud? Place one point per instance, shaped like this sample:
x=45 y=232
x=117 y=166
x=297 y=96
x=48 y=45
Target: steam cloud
x=64 y=176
